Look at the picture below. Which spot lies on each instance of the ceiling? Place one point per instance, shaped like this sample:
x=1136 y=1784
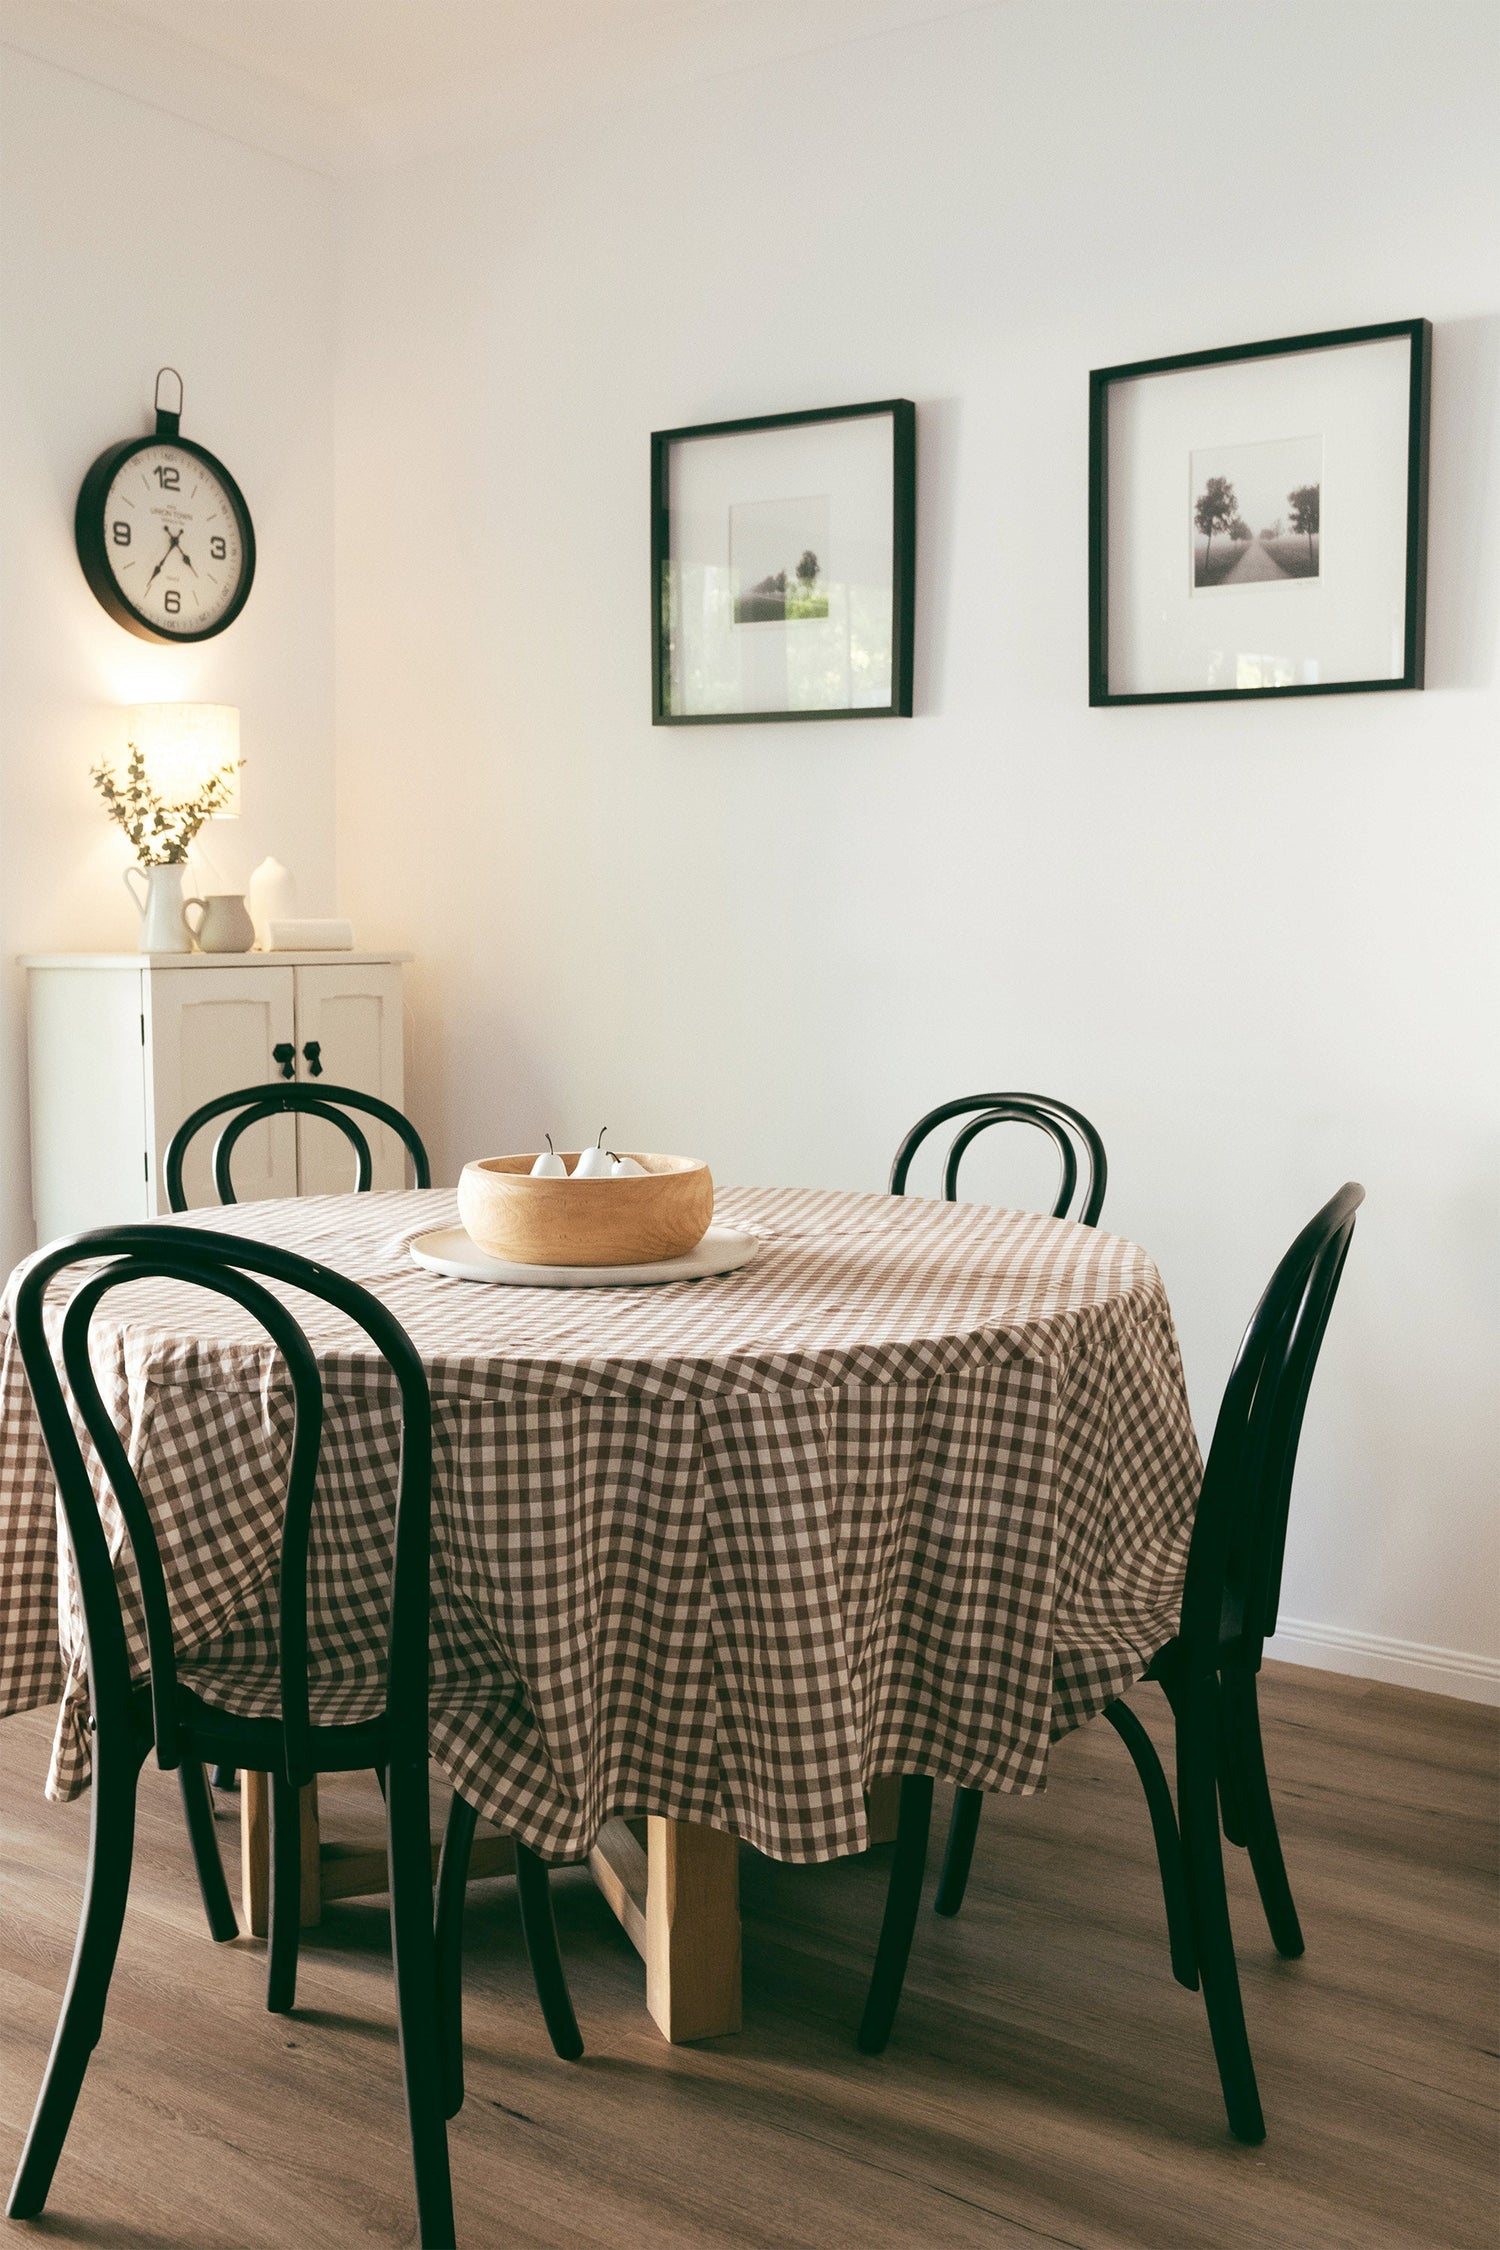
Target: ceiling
x=340 y=82
x=354 y=55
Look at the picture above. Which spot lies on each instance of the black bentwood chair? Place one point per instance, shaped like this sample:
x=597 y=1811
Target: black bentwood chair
x=277 y=1100
x=1068 y=1129
x=1207 y=1672
x=129 y=1719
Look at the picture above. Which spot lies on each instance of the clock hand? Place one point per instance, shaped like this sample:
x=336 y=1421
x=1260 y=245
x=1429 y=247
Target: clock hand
x=177 y=543
x=160 y=566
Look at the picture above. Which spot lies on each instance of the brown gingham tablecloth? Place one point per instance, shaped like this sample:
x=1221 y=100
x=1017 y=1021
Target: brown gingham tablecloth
x=910 y=1493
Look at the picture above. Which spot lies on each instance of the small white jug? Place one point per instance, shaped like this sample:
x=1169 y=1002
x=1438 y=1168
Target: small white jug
x=224 y=927
x=163 y=929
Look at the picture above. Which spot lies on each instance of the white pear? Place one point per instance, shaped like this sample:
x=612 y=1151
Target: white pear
x=549 y=1165
x=596 y=1163
x=626 y=1167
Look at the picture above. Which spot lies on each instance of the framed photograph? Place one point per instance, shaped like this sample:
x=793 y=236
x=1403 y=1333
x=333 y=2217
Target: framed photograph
x=783 y=566
x=1258 y=519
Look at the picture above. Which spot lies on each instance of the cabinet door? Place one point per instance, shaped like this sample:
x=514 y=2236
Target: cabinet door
x=351 y=1015
x=211 y=1031
x=90 y=1151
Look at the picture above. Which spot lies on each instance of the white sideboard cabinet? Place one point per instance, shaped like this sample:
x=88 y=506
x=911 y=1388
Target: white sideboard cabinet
x=125 y=1045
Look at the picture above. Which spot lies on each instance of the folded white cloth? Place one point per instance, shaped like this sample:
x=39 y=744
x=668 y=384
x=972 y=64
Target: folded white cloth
x=306 y=934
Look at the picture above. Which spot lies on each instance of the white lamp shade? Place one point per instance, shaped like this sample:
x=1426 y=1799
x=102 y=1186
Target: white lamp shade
x=184 y=744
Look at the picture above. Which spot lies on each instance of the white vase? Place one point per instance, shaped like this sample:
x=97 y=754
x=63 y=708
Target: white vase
x=271 y=897
x=159 y=906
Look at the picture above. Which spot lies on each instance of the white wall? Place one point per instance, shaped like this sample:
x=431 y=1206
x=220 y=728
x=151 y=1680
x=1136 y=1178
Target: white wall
x=130 y=238
x=1256 y=944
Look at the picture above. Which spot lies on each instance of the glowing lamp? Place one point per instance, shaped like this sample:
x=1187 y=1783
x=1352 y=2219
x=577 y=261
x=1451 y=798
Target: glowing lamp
x=184 y=745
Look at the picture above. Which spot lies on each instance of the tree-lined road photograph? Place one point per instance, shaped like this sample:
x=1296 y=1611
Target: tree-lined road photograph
x=1256 y=513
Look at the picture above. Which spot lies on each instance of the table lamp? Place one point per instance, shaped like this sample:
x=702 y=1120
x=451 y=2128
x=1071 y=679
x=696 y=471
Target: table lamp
x=184 y=744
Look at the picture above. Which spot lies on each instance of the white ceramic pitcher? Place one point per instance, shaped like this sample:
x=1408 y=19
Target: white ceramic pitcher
x=163 y=929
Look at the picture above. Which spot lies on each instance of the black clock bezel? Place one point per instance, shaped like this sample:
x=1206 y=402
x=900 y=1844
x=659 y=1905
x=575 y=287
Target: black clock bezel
x=93 y=550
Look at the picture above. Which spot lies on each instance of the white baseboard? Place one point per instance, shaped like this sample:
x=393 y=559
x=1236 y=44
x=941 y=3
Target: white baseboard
x=1369 y=1656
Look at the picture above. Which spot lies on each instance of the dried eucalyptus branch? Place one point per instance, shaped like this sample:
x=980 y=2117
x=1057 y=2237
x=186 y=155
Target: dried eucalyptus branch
x=159 y=832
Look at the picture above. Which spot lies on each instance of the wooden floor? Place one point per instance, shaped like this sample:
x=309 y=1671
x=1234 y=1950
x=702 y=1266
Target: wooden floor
x=1048 y=2082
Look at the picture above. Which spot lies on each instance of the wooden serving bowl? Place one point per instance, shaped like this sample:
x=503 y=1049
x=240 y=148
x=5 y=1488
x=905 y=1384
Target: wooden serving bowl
x=661 y=1212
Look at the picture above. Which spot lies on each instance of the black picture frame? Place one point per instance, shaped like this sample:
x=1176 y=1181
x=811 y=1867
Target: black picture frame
x=903 y=415
x=1101 y=379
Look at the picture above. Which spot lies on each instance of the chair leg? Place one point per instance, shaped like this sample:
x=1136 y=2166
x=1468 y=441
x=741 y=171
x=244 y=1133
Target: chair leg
x=1195 y=1710
x=540 y=1930
x=963 y=1827
x=198 y=1810
x=226 y=1777
x=1168 y=1844
x=286 y=1895
x=452 y=1889
x=106 y=1886
x=415 y=1959
x=1242 y=1712
x=1232 y=1816
x=901 y=1902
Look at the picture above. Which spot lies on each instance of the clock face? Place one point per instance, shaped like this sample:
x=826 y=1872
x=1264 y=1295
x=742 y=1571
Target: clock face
x=173 y=542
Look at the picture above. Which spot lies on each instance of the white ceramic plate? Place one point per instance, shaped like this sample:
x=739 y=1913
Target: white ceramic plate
x=452 y=1251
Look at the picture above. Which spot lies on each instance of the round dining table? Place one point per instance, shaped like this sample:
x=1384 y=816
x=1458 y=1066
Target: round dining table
x=908 y=1493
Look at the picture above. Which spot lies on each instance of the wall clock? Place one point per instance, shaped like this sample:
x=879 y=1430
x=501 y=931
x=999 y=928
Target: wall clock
x=163 y=534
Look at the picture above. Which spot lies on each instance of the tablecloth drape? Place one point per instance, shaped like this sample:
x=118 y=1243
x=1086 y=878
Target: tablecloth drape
x=909 y=1493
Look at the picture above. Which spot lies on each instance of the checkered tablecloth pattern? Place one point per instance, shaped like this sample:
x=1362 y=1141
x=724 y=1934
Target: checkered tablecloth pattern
x=910 y=1493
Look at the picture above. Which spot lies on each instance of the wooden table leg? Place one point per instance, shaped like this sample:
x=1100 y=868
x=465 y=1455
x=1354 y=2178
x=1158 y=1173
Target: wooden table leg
x=255 y=1854
x=692 y=1930
x=679 y=1904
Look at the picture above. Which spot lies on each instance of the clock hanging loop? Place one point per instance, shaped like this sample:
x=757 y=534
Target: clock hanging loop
x=168 y=418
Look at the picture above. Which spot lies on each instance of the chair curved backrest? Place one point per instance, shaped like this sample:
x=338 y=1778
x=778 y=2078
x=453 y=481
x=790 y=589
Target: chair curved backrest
x=274 y=1100
x=1233 y=1587
x=1068 y=1129
x=225 y=1265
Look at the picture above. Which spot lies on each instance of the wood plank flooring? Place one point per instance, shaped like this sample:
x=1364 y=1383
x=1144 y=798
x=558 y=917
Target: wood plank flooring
x=1048 y=2083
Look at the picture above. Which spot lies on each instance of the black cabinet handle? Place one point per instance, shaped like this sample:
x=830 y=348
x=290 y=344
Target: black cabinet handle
x=286 y=1055
x=314 y=1053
